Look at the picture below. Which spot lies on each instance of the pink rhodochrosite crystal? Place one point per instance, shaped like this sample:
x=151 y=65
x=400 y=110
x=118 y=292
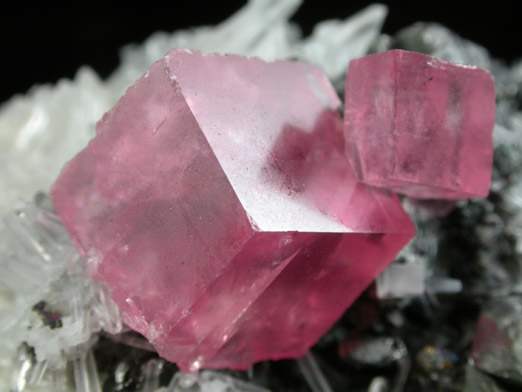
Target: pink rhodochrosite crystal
x=218 y=205
x=420 y=126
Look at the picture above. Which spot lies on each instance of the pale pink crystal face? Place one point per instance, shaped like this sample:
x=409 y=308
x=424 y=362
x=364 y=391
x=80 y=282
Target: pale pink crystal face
x=218 y=205
x=420 y=126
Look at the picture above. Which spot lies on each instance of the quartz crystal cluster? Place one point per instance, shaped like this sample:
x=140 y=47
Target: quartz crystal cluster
x=445 y=316
x=222 y=213
x=58 y=310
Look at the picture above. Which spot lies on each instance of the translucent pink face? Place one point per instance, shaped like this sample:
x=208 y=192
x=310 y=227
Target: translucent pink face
x=217 y=203
x=420 y=126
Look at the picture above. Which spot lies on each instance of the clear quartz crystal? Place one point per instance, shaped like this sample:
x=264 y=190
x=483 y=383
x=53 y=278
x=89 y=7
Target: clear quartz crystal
x=86 y=376
x=22 y=368
x=151 y=375
x=57 y=308
x=313 y=374
x=334 y=43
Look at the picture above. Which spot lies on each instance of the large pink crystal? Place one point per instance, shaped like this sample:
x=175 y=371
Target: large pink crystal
x=420 y=126
x=217 y=204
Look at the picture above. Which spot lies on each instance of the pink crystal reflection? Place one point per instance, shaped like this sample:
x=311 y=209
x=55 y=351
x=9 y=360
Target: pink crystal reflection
x=217 y=204
x=420 y=126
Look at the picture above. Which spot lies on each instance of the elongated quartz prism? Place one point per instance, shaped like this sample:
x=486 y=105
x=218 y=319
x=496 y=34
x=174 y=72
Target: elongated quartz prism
x=218 y=205
x=420 y=126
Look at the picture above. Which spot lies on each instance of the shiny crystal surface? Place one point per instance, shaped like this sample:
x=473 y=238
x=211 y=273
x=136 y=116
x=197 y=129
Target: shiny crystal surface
x=217 y=204
x=419 y=125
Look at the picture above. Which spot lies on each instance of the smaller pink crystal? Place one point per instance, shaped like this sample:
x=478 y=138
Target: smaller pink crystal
x=419 y=125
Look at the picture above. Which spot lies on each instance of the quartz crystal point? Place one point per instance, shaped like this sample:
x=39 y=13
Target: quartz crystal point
x=218 y=205
x=420 y=126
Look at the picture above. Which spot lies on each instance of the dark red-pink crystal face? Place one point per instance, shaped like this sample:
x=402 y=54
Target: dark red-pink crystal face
x=217 y=203
x=420 y=126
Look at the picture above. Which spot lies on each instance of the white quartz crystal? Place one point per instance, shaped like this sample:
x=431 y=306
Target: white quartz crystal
x=40 y=131
x=334 y=43
x=53 y=307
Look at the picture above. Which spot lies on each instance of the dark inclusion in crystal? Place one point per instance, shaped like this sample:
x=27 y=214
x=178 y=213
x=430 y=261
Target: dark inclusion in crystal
x=50 y=318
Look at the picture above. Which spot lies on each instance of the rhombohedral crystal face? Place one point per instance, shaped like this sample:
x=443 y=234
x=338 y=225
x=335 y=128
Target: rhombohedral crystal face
x=420 y=126
x=218 y=205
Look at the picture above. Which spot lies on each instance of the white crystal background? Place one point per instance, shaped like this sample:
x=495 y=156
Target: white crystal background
x=40 y=131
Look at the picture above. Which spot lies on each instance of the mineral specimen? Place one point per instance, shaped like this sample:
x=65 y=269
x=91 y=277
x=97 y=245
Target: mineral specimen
x=419 y=125
x=497 y=347
x=217 y=203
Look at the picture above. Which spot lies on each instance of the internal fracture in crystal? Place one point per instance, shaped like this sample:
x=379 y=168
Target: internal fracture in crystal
x=217 y=203
x=420 y=126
